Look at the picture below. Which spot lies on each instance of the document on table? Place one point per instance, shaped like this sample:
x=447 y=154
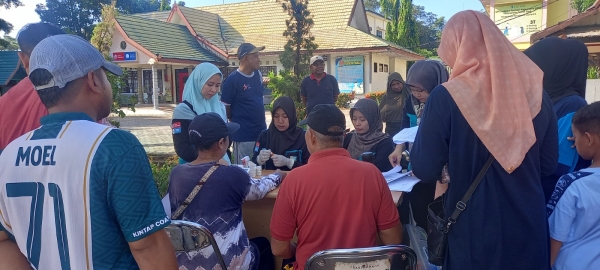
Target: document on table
x=406 y=135
x=404 y=184
x=398 y=181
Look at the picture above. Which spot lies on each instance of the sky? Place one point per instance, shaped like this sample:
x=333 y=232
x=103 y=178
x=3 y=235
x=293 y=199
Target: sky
x=26 y=14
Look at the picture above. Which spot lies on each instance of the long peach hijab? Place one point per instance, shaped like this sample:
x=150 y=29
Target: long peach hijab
x=496 y=87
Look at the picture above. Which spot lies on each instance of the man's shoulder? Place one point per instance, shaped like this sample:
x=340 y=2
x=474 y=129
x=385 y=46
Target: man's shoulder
x=331 y=77
x=119 y=140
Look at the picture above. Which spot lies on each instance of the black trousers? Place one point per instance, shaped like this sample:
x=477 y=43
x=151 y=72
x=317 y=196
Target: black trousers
x=419 y=198
x=264 y=260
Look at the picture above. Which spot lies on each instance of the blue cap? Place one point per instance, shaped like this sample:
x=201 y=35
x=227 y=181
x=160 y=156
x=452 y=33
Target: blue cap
x=247 y=48
x=209 y=128
x=68 y=58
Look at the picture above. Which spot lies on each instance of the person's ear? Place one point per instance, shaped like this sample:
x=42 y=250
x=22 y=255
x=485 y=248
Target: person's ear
x=590 y=139
x=24 y=61
x=312 y=137
x=94 y=81
x=223 y=143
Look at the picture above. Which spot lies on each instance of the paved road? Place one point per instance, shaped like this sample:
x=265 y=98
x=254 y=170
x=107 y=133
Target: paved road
x=152 y=127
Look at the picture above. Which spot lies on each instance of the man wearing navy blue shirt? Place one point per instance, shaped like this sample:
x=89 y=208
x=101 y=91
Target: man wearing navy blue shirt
x=319 y=87
x=243 y=98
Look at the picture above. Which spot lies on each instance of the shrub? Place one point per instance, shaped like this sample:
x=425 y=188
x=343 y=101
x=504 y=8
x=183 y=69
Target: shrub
x=161 y=169
x=377 y=96
x=286 y=84
x=344 y=100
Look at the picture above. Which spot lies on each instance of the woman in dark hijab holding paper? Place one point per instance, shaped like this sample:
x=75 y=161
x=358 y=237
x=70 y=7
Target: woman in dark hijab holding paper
x=565 y=77
x=368 y=136
x=422 y=78
x=282 y=146
x=392 y=103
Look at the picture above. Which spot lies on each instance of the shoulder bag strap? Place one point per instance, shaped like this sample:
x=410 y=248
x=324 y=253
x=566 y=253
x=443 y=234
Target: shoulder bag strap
x=194 y=192
x=462 y=204
x=190 y=105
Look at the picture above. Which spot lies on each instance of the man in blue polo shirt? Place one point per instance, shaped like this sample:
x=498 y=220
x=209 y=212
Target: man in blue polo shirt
x=318 y=87
x=77 y=194
x=243 y=97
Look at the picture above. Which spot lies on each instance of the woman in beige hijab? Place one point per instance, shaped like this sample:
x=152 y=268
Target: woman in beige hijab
x=493 y=104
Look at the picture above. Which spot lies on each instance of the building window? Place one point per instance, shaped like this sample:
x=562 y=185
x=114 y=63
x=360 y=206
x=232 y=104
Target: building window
x=233 y=64
x=375 y=67
x=274 y=62
x=385 y=68
x=380 y=67
x=147 y=81
x=371 y=29
x=380 y=33
x=131 y=82
x=266 y=70
x=267 y=62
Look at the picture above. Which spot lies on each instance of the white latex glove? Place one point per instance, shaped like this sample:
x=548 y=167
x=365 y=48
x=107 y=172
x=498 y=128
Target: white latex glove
x=263 y=156
x=281 y=161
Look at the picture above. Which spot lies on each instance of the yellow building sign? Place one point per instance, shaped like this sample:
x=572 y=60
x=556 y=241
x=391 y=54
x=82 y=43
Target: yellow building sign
x=518 y=20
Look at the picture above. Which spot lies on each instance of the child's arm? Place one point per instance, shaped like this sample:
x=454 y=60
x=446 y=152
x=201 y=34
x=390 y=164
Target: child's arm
x=555 y=246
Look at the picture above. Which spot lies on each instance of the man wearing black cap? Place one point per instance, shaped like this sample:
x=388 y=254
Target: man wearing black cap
x=21 y=108
x=219 y=198
x=334 y=201
x=243 y=96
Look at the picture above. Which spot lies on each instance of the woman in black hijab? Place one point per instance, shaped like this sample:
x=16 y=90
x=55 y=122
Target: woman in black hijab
x=392 y=103
x=367 y=135
x=282 y=145
x=422 y=78
x=565 y=64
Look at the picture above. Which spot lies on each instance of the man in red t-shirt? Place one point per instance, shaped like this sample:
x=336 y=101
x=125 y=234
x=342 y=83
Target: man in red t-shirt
x=334 y=201
x=21 y=107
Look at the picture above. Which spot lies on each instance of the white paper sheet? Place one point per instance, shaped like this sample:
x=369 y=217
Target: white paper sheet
x=394 y=174
x=406 y=135
x=167 y=205
x=404 y=184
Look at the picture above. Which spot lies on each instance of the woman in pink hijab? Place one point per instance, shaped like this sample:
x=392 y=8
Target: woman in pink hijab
x=493 y=104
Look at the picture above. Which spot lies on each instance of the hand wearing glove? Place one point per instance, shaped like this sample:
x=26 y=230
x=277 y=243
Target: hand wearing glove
x=281 y=161
x=263 y=156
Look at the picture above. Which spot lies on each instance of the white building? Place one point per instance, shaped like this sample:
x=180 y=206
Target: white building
x=174 y=42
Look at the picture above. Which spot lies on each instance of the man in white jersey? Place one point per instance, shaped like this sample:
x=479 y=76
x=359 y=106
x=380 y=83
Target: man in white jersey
x=75 y=194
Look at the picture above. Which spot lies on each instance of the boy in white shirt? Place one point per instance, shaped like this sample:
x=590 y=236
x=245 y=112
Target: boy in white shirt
x=573 y=208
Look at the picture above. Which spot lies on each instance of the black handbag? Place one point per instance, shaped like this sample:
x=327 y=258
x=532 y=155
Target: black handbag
x=438 y=226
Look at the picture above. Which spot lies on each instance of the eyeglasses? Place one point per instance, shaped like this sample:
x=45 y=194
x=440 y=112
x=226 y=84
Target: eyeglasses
x=415 y=89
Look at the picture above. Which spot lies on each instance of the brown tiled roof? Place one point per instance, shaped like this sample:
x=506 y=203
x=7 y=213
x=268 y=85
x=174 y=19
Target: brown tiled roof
x=262 y=23
x=591 y=11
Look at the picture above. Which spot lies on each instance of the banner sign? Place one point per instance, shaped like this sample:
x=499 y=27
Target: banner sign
x=349 y=72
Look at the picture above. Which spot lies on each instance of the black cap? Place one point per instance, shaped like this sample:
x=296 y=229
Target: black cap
x=31 y=34
x=325 y=116
x=247 y=48
x=209 y=128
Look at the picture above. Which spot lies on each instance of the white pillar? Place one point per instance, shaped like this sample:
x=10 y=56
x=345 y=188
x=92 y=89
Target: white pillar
x=154 y=87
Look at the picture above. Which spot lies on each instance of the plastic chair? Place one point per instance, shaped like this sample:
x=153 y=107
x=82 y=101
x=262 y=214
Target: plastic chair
x=396 y=257
x=189 y=236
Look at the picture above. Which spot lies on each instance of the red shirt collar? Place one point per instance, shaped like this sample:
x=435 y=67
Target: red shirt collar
x=328 y=153
x=312 y=76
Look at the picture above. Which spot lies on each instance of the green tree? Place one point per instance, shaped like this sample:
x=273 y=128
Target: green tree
x=181 y=3
x=102 y=40
x=9 y=44
x=582 y=5
x=372 y=5
x=408 y=35
x=430 y=28
x=5 y=26
x=80 y=16
x=391 y=10
x=297 y=52
x=164 y=5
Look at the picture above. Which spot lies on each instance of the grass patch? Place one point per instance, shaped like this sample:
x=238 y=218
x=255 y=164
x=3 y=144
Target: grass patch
x=161 y=169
